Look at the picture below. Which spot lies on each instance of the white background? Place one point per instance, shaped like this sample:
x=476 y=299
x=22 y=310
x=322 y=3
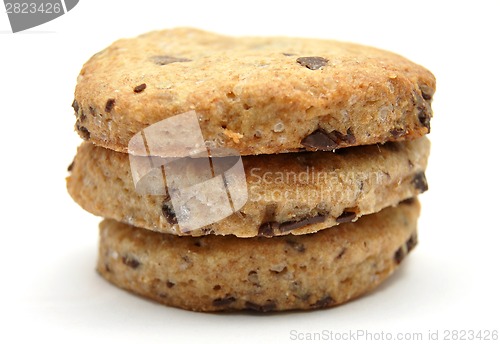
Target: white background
x=49 y=289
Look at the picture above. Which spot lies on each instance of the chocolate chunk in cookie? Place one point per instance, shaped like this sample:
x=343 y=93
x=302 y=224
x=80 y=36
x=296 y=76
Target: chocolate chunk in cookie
x=312 y=62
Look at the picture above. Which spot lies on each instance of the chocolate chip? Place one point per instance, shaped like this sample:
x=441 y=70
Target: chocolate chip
x=427 y=92
x=346 y=216
x=130 y=261
x=170 y=284
x=268 y=224
x=223 y=301
x=168 y=211
x=411 y=243
x=109 y=105
x=408 y=201
x=397 y=132
x=322 y=140
x=319 y=140
x=140 y=88
x=299 y=247
x=324 y=302
x=425 y=119
x=349 y=137
x=108 y=269
x=399 y=255
x=267 y=229
x=423 y=111
x=75 y=106
x=291 y=225
x=338 y=137
x=420 y=182
x=268 y=306
x=70 y=167
x=165 y=59
x=312 y=62
x=84 y=132
x=217 y=287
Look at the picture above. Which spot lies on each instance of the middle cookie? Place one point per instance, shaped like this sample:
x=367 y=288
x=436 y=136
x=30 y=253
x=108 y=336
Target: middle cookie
x=295 y=193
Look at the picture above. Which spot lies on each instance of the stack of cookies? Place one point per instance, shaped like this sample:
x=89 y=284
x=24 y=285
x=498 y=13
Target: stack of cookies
x=250 y=173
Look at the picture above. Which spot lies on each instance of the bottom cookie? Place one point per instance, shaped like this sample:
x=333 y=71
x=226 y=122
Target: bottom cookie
x=216 y=273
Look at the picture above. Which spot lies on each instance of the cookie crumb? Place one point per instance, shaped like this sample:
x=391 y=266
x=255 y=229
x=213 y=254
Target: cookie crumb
x=232 y=135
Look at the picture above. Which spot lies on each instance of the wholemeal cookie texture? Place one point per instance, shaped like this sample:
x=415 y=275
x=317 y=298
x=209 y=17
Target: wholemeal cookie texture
x=294 y=193
x=214 y=273
x=257 y=95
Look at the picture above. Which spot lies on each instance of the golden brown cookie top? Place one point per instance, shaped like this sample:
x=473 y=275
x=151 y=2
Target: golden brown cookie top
x=254 y=94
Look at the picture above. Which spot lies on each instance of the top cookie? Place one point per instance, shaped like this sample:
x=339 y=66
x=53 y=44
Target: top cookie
x=258 y=95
